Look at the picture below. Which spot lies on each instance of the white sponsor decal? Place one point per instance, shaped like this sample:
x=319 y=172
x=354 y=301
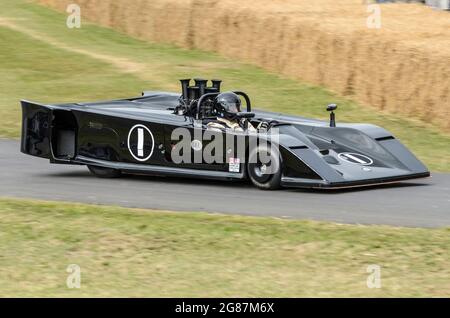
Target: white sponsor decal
x=356 y=158
x=140 y=142
x=234 y=165
x=140 y=146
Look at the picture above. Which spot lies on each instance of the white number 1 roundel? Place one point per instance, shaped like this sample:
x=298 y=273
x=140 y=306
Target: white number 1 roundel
x=140 y=142
x=356 y=158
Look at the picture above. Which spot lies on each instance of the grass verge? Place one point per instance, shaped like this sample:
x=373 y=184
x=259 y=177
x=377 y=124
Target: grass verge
x=41 y=59
x=130 y=252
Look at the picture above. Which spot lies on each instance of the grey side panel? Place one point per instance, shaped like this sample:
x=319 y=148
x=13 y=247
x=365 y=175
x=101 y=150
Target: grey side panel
x=372 y=131
x=404 y=155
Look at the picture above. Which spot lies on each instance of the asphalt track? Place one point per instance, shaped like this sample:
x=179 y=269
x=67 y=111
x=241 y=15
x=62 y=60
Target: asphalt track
x=420 y=203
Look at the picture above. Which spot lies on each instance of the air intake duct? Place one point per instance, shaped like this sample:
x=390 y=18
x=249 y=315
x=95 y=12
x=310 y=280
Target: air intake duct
x=201 y=84
x=191 y=93
x=184 y=90
x=216 y=84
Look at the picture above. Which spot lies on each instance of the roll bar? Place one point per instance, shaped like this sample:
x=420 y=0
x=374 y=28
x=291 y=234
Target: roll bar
x=247 y=100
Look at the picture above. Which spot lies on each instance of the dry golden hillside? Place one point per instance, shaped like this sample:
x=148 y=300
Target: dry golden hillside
x=403 y=67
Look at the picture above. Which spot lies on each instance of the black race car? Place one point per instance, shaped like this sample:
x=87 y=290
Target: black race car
x=162 y=133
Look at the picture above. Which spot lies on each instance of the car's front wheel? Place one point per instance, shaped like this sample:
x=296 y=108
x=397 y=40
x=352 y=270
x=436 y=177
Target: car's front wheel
x=264 y=167
x=102 y=172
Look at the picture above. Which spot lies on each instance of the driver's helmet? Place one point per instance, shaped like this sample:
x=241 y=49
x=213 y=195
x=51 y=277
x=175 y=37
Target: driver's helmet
x=227 y=105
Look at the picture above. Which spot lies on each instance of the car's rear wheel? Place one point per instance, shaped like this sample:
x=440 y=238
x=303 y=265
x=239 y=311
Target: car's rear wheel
x=102 y=172
x=264 y=174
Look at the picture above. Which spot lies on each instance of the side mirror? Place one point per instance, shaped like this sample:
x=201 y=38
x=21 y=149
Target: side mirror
x=331 y=108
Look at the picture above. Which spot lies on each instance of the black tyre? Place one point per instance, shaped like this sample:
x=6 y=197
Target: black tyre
x=101 y=172
x=264 y=176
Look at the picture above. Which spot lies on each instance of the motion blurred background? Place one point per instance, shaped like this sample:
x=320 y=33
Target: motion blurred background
x=401 y=67
x=386 y=64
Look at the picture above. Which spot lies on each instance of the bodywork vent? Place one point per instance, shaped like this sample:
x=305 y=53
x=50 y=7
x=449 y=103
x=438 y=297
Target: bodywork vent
x=298 y=147
x=384 y=138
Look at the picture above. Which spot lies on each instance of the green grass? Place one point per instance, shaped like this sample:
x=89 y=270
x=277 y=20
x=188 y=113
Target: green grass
x=42 y=61
x=130 y=252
